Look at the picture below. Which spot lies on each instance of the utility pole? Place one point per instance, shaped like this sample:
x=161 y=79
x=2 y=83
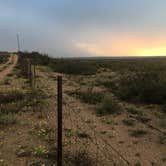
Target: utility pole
x=18 y=42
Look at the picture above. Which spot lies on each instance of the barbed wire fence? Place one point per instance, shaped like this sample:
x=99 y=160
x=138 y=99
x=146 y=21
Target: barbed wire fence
x=83 y=137
x=81 y=142
x=28 y=69
x=78 y=142
x=102 y=151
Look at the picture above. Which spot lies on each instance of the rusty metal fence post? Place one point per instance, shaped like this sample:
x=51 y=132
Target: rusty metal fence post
x=59 y=109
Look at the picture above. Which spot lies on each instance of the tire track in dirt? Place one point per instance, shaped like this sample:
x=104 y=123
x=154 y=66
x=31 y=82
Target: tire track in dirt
x=9 y=66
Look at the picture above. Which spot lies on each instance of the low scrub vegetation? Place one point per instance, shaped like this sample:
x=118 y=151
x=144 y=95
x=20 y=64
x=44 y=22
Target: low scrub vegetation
x=135 y=111
x=162 y=139
x=4 y=57
x=41 y=152
x=6 y=81
x=11 y=107
x=146 y=87
x=89 y=96
x=109 y=120
x=35 y=57
x=109 y=105
x=11 y=96
x=129 y=122
x=7 y=119
x=139 y=80
x=73 y=67
x=138 y=133
x=13 y=101
x=79 y=158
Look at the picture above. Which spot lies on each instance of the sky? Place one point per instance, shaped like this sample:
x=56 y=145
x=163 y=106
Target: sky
x=74 y=28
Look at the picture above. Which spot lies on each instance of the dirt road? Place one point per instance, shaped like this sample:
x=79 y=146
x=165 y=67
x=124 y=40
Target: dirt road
x=8 y=67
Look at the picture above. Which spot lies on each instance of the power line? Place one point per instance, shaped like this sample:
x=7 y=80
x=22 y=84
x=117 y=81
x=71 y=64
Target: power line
x=18 y=42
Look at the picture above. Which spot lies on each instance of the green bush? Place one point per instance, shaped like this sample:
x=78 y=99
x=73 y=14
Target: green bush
x=11 y=96
x=135 y=111
x=79 y=158
x=88 y=96
x=10 y=107
x=109 y=105
x=129 y=122
x=138 y=133
x=107 y=82
x=73 y=67
x=7 y=119
x=147 y=87
x=14 y=101
x=4 y=57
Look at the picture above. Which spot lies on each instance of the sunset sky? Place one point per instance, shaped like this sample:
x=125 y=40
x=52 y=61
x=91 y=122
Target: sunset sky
x=85 y=27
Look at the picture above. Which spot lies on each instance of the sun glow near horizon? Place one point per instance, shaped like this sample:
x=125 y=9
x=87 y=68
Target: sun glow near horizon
x=159 y=51
x=71 y=28
x=128 y=46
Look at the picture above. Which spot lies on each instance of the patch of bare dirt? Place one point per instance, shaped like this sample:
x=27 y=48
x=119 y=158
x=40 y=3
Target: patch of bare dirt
x=8 y=66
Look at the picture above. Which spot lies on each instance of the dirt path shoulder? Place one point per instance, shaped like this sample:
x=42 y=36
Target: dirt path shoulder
x=9 y=66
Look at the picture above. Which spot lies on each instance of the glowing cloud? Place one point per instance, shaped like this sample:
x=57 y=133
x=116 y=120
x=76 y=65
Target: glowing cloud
x=97 y=27
x=125 y=45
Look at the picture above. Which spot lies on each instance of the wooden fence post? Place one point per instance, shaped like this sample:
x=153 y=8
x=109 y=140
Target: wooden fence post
x=34 y=75
x=30 y=75
x=28 y=68
x=59 y=109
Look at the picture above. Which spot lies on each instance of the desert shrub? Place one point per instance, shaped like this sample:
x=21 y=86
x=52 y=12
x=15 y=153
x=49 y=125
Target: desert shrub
x=129 y=122
x=4 y=57
x=108 y=120
x=73 y=67
x=137 y=164
x=6 y=81
x=41 y=151
x=109 y=105
x=107 y=82
x=33 y=100
x=14 y=101
x=135 y=111
x=35 y=57
x=11 y=96
x=26 y=58
x=79 y=158
x=7 y=119
x=162 y=139
x=10 y=108
x=147 y=87
x=138 y=133
x=89 y=96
